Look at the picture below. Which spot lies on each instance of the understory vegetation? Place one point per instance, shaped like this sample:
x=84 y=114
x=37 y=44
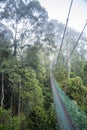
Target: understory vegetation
x=74 y=87
x=26 y=96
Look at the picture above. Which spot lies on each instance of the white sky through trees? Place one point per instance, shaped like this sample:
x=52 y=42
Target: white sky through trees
x=58 y=9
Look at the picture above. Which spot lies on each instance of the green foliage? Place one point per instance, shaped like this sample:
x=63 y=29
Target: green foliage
x=26 y=82
x=52 y=121
x=85 y=75
x=78 y=116
x=5 y=51
x=19 y=122
x=10 y=123
x=5 y=120
x=75 y=89
x=37 y=118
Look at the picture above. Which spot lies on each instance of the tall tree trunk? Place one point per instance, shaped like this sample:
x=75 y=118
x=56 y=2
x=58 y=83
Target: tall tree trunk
x=2 y=98
x=12 y=103
x=19 y=100
x=15 y=40
x=68 y=59
x=68 y=53
x=69 y=69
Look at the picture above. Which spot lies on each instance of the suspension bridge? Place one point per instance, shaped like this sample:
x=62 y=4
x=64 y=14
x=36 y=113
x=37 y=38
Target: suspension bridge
x=69 y=116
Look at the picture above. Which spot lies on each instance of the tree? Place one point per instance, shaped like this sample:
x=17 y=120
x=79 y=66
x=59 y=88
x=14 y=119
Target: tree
x=85 y=74
x=4 y=57
x=26 y=16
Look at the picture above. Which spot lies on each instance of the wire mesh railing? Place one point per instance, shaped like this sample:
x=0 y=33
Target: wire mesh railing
x=70 y=117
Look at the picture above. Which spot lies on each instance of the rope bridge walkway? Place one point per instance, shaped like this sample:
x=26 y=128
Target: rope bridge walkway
x=67 y=111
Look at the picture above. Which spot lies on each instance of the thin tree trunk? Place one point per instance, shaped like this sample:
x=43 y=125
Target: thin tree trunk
x=68 y=59
x=19 y=100
x=2 y=98
x=15 y=41
x=69 y=69
x=12 y=103
x=11 y=106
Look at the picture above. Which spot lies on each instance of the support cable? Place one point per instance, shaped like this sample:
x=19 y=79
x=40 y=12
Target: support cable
x=76 y=43
x=65 y=28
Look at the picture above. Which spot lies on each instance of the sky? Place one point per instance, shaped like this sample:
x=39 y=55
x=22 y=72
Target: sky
x=58 y=9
